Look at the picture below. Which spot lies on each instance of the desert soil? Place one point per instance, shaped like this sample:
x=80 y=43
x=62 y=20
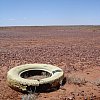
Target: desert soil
x=75 y=49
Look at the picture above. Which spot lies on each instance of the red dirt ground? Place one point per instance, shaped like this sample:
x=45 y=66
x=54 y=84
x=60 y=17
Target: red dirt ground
x=75 y=49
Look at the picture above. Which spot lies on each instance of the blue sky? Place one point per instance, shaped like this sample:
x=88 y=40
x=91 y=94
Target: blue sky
x=49 y=12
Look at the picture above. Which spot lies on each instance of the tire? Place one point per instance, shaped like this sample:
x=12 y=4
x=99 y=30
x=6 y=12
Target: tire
x=19 y=83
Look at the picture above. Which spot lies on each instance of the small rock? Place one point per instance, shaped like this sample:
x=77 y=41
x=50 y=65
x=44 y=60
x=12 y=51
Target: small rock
x=70 y=98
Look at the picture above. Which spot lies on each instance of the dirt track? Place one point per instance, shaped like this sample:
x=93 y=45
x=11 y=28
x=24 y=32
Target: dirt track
x=74 y=49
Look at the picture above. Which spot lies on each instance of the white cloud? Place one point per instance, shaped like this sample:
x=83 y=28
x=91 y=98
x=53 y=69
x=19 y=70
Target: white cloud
x=12 y=19
x=24 y=18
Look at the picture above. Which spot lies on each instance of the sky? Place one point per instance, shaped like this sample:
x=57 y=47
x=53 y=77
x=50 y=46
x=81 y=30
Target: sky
x=49 y=12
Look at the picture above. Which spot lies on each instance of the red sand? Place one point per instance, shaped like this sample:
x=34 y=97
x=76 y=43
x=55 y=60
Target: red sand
x=74 y=49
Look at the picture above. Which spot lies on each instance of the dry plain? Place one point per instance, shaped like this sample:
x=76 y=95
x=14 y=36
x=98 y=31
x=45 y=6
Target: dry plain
x=75 y=49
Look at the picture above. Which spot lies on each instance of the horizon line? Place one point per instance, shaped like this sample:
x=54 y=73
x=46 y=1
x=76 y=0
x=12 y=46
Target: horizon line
x=48 y=25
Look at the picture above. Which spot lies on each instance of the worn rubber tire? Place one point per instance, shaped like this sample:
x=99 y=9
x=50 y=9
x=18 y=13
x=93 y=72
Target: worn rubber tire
x=15 y=81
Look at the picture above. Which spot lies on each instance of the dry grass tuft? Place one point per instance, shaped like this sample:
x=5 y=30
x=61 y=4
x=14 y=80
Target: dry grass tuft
x=75 y=80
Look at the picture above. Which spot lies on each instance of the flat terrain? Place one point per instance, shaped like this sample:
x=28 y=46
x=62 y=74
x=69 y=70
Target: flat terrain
x=75 y=49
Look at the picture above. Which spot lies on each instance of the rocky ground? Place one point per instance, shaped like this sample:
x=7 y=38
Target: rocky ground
x=75 y=49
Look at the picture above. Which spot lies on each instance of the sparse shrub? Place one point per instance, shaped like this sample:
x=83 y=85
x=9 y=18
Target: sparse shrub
x=30 y=97
x=75 y=80
x=97 y=82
